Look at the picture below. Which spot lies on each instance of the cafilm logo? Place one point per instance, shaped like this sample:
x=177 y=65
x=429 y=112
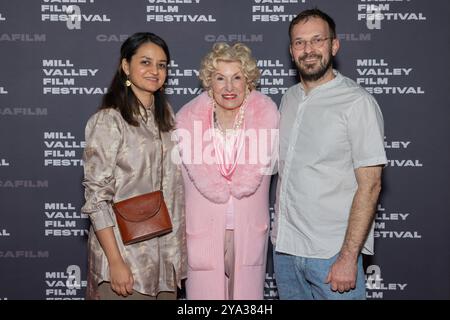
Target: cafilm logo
x=64 y=220
x=234 y=37
x=65 y=285
x=274 y=10
x=376 y=14
x=24 y=184
x=111 y=37
x=23 y=111
x=376 y=287
x=24 y=254
x=354 y=36
x=165 y=11
x=70 y=14
x=3 y=90
x=62 y=149
x=2 y=17
x=23 y=37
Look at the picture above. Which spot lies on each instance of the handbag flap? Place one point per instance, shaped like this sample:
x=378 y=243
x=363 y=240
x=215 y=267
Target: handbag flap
x=141 y=207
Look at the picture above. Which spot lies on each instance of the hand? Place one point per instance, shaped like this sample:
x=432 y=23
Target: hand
x=342 y=275
x=121 y=278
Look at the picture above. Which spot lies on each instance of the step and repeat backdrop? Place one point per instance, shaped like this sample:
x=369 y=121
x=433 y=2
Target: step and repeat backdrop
x=58 y=57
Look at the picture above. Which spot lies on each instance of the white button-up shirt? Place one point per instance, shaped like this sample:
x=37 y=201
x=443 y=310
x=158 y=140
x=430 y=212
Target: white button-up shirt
x=324 y=137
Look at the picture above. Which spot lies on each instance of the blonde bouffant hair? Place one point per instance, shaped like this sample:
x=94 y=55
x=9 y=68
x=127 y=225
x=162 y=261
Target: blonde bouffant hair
x=222 y=51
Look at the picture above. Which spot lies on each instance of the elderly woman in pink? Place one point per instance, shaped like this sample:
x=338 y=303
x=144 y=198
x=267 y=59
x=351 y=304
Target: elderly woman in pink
x=227 y=136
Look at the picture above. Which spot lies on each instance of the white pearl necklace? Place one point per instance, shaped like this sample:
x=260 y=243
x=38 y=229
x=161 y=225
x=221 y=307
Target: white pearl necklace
x=239 y=120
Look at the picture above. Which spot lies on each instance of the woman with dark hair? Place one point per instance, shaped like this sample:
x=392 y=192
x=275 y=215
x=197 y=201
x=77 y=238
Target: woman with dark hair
x=127 y=153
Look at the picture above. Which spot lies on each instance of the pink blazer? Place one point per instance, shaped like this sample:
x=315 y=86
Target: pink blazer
x=207 y=194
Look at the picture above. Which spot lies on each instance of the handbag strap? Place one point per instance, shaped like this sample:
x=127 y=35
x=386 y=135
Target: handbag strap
x=160 y=138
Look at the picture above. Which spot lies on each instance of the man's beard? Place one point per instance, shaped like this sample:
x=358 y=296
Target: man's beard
x=308 y=74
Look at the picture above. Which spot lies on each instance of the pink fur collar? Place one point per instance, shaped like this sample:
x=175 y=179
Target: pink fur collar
x=261 y=113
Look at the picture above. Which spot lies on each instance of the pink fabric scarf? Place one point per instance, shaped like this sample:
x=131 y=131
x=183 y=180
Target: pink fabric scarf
x=261 y=113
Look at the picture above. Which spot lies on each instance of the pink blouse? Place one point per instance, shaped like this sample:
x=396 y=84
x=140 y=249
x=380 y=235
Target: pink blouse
x=227 y=150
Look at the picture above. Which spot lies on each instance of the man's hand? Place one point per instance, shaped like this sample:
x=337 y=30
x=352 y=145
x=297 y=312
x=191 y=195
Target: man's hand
x=342 y=275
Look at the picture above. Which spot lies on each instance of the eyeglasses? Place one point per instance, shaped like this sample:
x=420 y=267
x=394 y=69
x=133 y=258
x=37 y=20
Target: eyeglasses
x=315 y=43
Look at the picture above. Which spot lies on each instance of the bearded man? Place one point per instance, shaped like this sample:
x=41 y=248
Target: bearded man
x=331 y=159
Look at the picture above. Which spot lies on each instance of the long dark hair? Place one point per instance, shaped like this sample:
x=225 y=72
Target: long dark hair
x=120 y=97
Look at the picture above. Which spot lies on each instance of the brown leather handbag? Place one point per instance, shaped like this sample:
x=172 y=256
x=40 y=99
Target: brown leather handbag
x=145 y=216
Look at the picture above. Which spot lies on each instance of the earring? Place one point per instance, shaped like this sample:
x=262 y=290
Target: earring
x=127 y=83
